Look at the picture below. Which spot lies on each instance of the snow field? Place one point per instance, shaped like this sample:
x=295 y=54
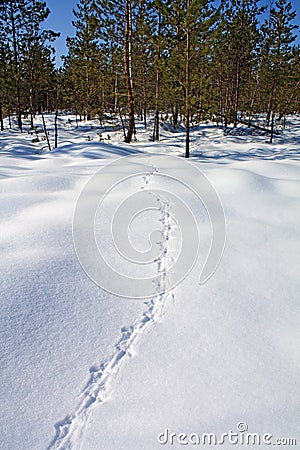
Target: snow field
x=82 y=368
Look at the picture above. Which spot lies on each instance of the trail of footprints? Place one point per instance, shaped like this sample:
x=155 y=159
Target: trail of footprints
x=69 y=432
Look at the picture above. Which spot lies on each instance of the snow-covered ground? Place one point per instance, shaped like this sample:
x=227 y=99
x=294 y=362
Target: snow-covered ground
x=83 y=368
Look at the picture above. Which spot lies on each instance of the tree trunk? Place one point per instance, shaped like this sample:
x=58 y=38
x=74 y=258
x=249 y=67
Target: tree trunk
x=237 y=91
x=144 y=109
x=1 y=117
x=122 y=122
x=16 y=64
x=145 y=118
x=187 y=88
x=175 y=116
x=116 y=95
x=31 y=95
x=274 y=85
x=128 y=71
x=46 y=133
x=157 y=86
x=156 y=118
x=56 y=130
x=221 y=108
x=272 y=127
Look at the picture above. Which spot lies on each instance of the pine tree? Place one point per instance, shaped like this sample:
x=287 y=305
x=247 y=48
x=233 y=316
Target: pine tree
x=5 y=85
x=237 y=52
x=82 y=64
x=279 y=37
x=37 y=58
x=176 y=56
x=28 y=46
x=143 y=57
x=117 y=23
x=187 y=25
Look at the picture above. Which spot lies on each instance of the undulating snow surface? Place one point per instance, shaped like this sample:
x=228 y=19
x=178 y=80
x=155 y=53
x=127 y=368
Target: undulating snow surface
x=82 y=368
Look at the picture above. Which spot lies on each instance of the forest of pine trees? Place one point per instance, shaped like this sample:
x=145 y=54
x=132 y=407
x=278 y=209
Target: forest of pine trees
x=185 y=60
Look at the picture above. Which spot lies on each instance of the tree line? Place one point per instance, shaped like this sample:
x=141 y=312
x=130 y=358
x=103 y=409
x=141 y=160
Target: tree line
x=188 y=60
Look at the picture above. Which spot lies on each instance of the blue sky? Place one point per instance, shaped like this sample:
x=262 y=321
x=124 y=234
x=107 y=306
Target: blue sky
x=61 y=18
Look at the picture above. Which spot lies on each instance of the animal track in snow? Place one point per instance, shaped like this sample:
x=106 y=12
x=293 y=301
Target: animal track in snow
x=69 y=432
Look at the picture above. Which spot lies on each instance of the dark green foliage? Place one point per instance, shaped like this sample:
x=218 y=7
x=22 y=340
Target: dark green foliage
x=178 y=60
x=26 y=57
